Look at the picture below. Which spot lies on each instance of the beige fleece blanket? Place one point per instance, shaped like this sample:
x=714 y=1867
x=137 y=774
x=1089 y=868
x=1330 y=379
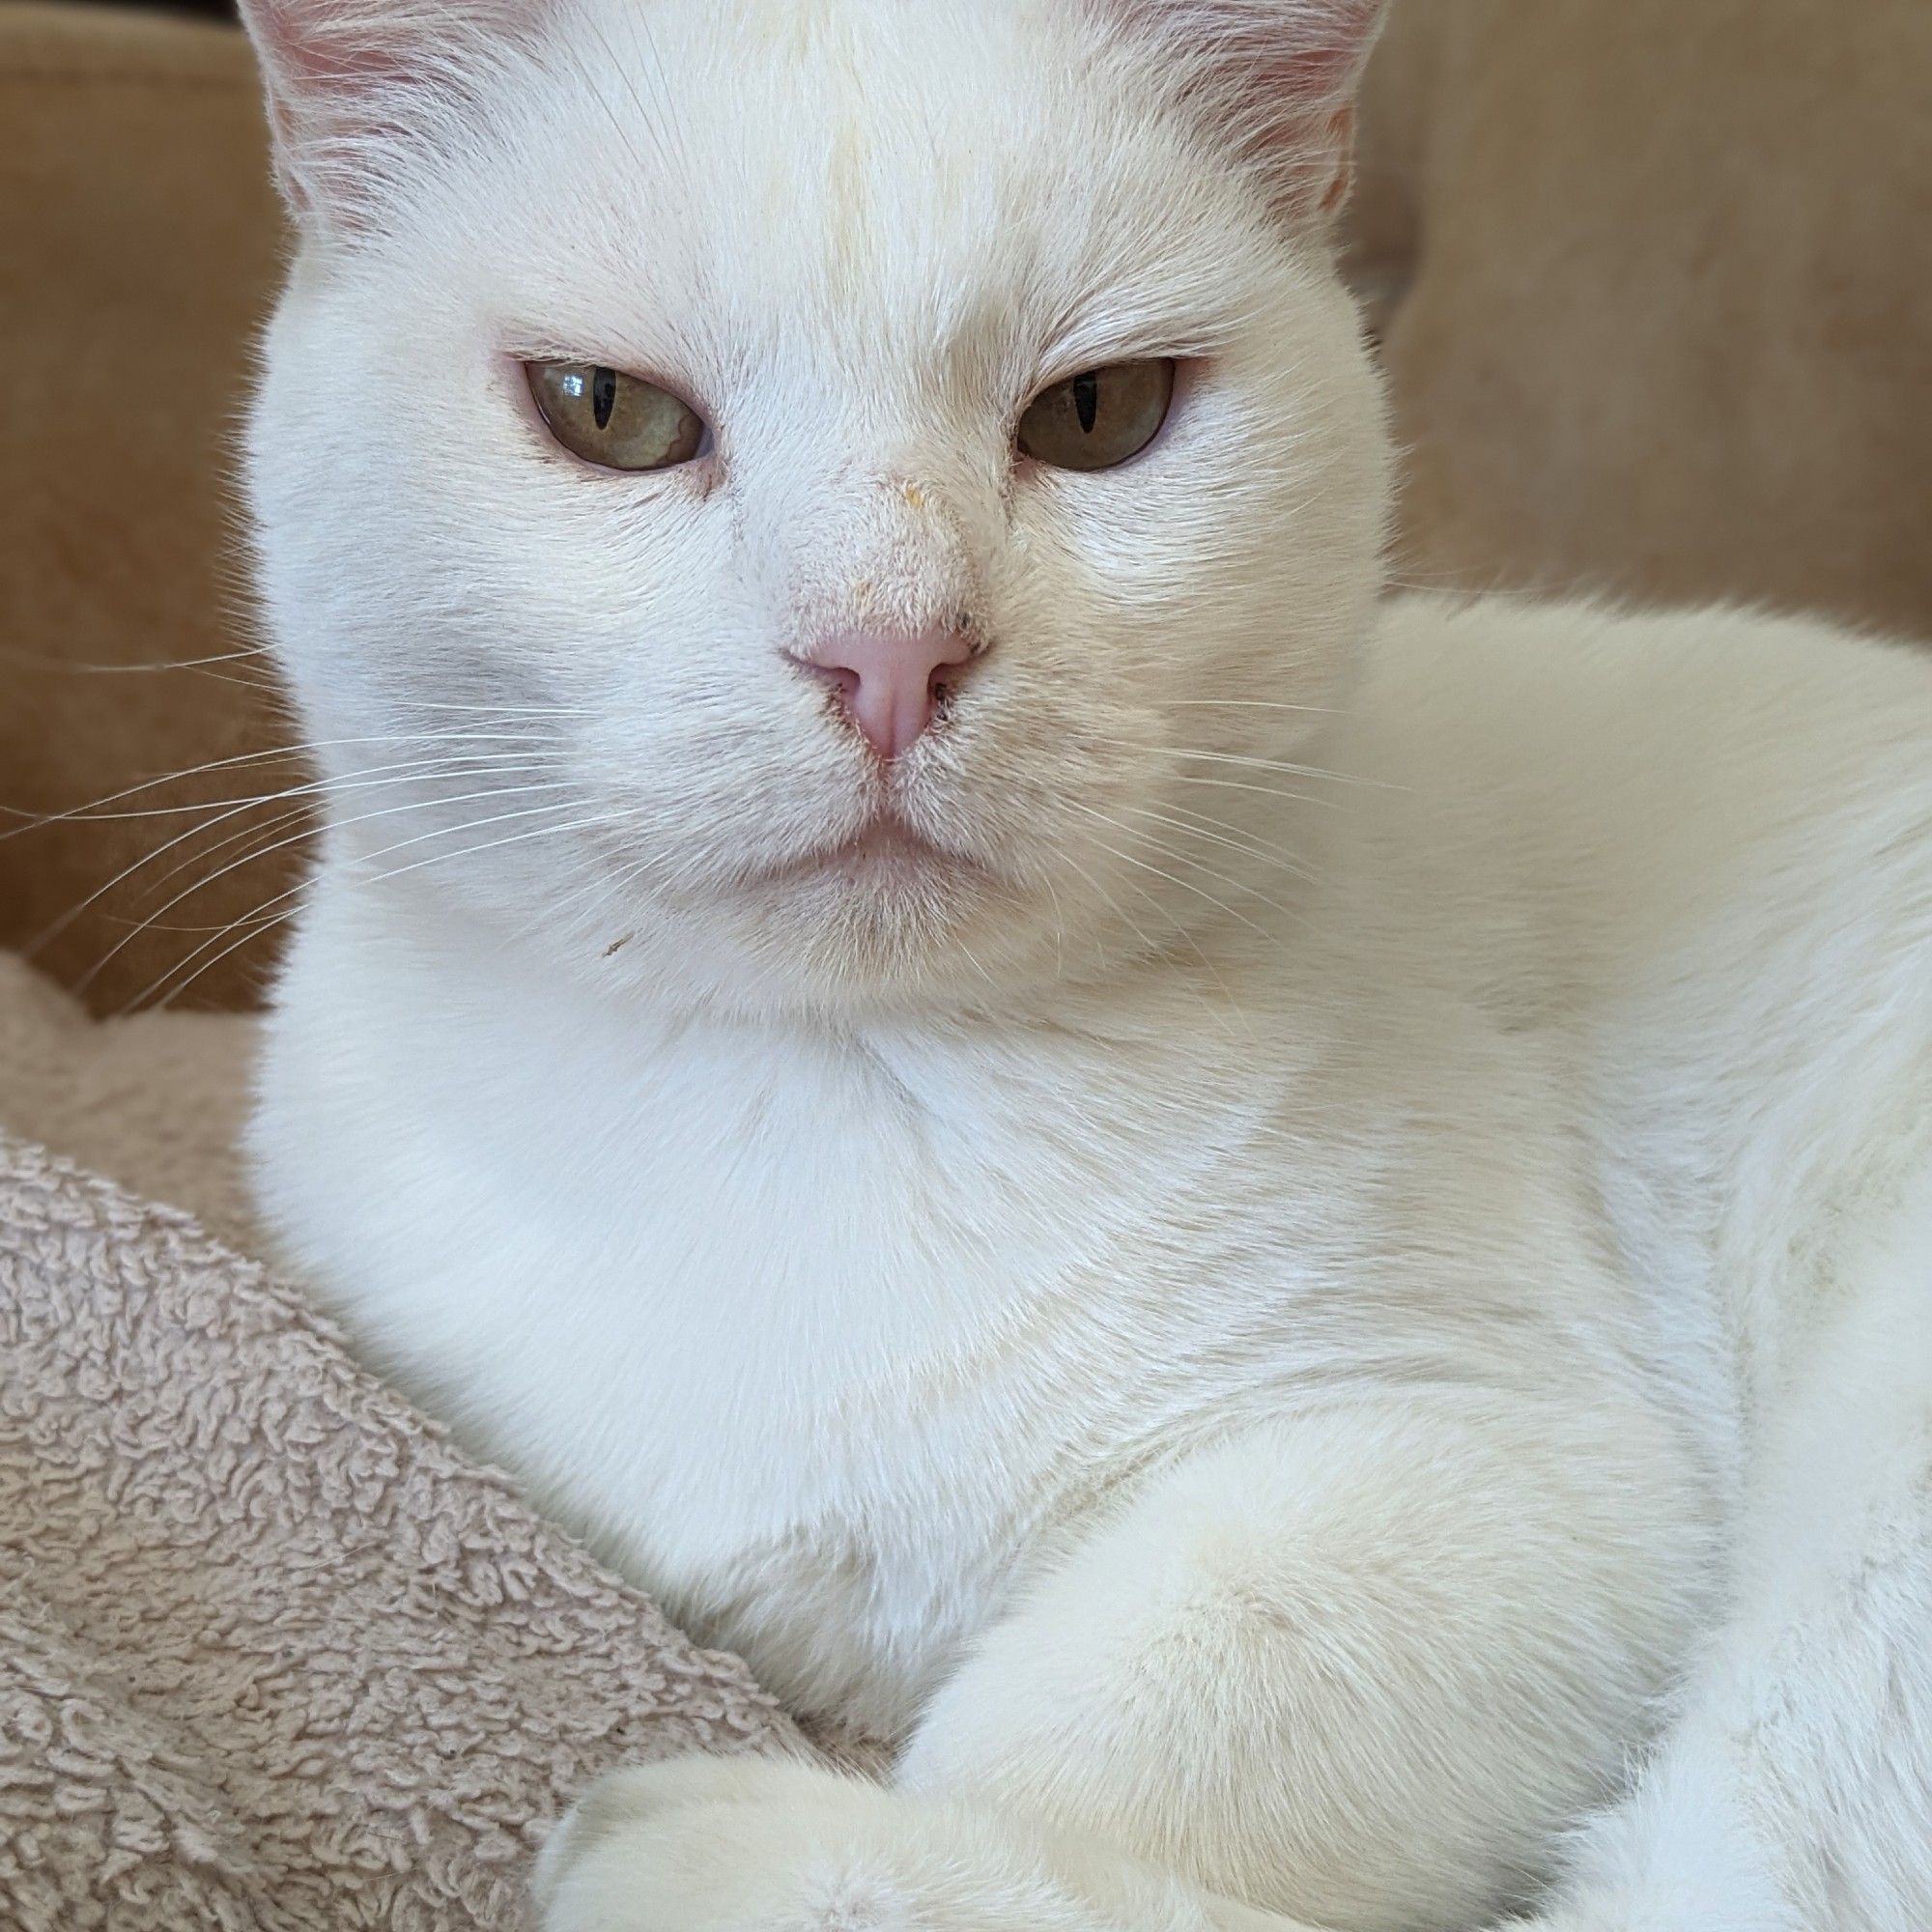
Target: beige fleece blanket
x=273 y=1654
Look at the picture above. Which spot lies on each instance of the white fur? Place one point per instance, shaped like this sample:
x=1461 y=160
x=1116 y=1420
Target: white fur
x=1339 y=1316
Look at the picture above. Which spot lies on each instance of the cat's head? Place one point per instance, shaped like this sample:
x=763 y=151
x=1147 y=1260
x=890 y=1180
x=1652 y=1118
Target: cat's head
x=1012 y=476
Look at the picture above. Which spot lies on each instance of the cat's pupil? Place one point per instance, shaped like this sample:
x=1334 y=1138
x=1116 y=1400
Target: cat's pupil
x=1087 y=400
x=603 y=396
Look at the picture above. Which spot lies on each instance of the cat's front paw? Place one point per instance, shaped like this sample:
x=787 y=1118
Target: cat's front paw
x=601 y=1848
x=752 y=1846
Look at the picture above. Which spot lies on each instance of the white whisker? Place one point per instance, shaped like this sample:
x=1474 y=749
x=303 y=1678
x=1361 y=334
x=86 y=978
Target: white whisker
x=92 y=813
x=232 y=809
x=1186 y=885
x=1215 y=833
x=261 y=916
x=294 y=838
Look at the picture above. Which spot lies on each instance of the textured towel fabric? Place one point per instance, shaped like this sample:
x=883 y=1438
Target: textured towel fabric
x=272 y=1653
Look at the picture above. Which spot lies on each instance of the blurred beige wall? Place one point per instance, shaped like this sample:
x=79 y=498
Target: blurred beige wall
x=1668 y=328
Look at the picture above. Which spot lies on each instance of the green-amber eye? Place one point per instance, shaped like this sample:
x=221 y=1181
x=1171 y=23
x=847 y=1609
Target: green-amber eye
x=618 y=421
x=1099 y=418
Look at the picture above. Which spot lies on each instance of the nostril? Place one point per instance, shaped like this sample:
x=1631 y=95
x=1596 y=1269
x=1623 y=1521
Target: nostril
x=840 y=678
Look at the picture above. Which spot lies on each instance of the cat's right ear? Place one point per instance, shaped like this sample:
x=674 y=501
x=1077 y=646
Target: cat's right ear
x=357 y=87
x=1275 y=80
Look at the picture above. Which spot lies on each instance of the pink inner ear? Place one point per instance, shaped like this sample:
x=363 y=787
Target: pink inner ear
x=315 y=44
x=344 y=76
x=1297 y=55
x=322 y=62
x=1278 y=77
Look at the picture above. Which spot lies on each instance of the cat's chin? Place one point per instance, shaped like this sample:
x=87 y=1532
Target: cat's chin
x=886 y=911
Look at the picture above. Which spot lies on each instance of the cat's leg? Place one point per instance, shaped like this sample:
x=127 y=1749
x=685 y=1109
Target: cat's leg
x=1358 y=1669
x=1793 y=1793
x=752 y=1846
x=1362 y=1667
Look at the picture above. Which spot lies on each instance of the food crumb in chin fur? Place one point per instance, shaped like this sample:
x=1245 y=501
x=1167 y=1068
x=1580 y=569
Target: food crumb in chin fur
x=617 y=946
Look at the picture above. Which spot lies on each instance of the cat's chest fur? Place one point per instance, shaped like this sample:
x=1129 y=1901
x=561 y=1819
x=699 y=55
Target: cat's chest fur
x=814 y=1342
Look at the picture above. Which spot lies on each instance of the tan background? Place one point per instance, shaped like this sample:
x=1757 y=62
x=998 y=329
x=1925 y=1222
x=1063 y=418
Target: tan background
x=1669 y=327
x=1653 y=279
x=139 y=241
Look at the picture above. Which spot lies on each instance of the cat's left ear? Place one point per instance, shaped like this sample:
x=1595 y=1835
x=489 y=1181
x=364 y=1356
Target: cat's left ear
x=1276 y=78
x=359 y=88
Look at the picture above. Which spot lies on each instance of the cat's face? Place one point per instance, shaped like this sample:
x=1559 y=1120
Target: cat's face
x=857 y=237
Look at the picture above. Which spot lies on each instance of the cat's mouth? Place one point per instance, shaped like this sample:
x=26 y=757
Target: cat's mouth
x=883 y=853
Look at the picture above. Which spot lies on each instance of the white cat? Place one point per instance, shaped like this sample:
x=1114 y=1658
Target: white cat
x=1289 y=1233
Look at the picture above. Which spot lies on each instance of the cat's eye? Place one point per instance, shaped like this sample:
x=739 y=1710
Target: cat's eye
x=1099 y=418
x=614 y=420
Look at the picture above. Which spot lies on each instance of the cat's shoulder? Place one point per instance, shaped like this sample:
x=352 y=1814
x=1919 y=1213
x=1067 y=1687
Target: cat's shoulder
x=1562 y=697
x=1505 y=648
x=1748 y=795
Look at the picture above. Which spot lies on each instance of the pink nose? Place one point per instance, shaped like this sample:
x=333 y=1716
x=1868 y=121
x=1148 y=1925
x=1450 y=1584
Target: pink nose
x=889 y=681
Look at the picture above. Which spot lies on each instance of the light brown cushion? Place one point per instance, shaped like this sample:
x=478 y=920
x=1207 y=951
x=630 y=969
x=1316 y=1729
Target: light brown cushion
x=155 y=1102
